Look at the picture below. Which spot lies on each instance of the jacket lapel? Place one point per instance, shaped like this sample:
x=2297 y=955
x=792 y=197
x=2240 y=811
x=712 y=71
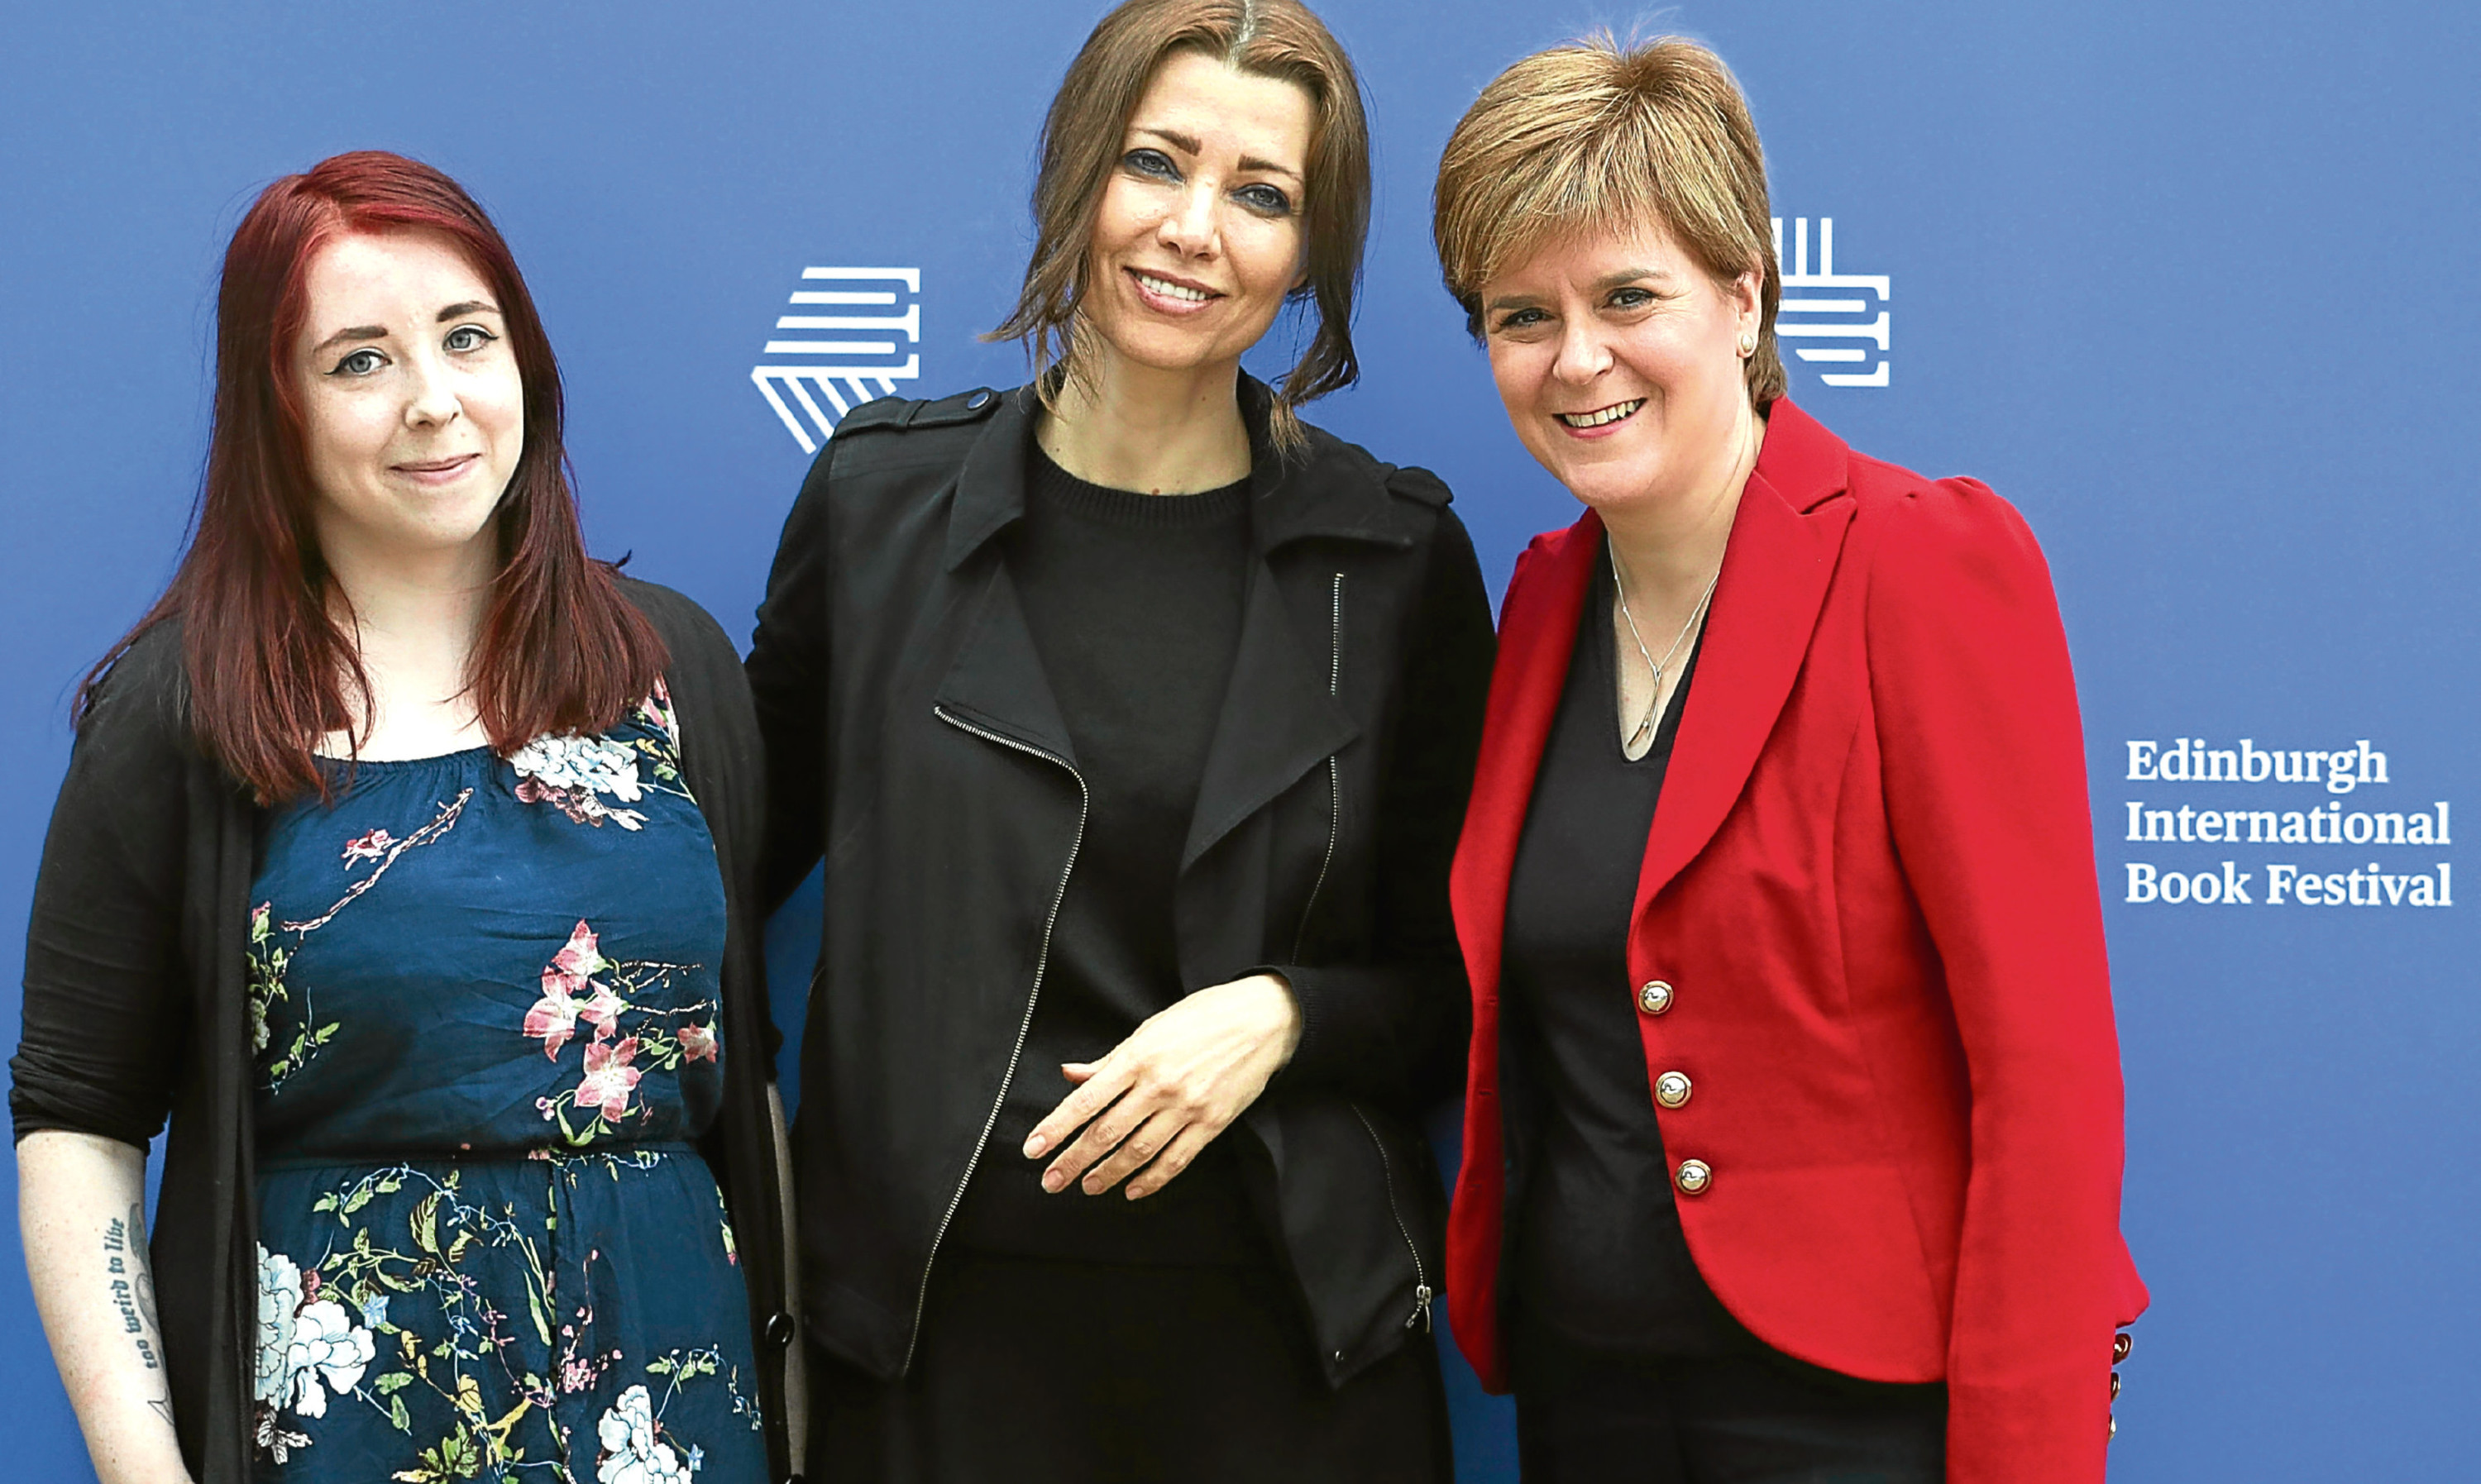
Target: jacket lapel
x=1278 y=720
x=997 y=681
x=1776 y=567
x=990 y=486
x=1537 y=635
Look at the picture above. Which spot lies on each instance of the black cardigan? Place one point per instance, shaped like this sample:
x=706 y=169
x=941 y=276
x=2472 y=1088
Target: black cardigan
x=135 y=1003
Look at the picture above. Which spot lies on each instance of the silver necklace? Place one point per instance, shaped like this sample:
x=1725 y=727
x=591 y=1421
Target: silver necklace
x=1644 y=731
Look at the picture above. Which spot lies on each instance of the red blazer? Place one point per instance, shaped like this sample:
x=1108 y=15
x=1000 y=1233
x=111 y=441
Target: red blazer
x=1869 y=889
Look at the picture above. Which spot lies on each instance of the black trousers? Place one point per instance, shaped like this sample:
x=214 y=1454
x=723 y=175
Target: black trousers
x=1747 y=1418
x=1032 y=1370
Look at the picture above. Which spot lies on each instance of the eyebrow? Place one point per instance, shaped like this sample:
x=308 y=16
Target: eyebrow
x=356 y=333
x=1602 y=285
x=380 y=331
x=1188 y=144
x=1614 y=280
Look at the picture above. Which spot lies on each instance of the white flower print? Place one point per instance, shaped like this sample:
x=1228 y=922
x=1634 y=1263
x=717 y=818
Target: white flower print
x=280 y=1294
x=326 y=1344
x=572 y=771
x=301 y=1345
x=632 y=1453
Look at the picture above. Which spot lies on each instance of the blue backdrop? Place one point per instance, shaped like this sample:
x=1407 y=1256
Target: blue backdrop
x=2147 y=268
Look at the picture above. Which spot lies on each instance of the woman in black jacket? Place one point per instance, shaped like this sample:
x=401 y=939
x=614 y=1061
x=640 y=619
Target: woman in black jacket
x=403 y=860
x=1134 y=720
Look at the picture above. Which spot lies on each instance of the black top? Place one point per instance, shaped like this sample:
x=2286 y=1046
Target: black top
x=135 y=1005
x=1134 y=601
x=1599 y=1259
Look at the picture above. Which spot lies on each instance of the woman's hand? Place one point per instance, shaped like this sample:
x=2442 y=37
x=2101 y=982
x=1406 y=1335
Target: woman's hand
x=1165 y=1092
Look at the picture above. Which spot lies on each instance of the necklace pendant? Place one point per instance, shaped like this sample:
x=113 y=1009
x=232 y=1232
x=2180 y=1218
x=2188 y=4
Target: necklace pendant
x=1643 y=736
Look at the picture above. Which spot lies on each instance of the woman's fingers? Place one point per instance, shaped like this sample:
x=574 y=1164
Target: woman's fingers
x=1100 y=1136
x=1149 y=1139
x=1098 y=1086
x=1184 y=1147
x=1105 y=1134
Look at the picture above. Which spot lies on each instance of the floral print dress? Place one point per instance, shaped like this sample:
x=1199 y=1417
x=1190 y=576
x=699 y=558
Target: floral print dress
x=486 y=999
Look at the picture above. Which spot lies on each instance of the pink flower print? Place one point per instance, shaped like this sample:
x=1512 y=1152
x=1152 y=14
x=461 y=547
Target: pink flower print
x=602 y=1012
x=579 y=960
x=610 y=1079
x=552 y=1017
x=372 y=846
x=697 y=1043
x=657 y=709
x=555 y=1016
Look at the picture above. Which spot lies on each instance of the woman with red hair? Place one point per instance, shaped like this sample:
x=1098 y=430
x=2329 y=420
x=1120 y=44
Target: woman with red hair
x=400 y=862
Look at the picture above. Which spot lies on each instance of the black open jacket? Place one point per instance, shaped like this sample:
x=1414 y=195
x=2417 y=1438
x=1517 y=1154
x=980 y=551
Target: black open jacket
x=913 y=739
x=136 y=1005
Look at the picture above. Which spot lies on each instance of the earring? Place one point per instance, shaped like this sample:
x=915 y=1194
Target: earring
x=1748 y=346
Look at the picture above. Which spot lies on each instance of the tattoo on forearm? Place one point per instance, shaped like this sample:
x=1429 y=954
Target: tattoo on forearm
x=128 y=1296
x=132 y=1281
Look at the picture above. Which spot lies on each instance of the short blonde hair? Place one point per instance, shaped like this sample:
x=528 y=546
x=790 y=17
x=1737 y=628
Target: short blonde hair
x=1087 y=130
x=1592 y=137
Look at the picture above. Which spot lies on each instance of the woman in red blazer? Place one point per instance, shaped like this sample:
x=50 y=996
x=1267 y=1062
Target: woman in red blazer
x=1792 y=1144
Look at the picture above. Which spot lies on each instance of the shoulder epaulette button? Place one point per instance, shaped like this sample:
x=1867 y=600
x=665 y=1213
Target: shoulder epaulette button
x=949 y=411
x=900 y=413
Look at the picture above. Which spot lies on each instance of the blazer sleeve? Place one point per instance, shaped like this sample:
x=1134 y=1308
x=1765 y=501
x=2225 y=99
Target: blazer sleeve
x=788 y=681
x=1984 y=780
x=1398 y=1020
x=107 y=1008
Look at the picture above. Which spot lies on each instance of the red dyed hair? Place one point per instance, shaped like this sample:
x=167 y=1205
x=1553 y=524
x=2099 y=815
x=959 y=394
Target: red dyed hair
x=271 y=671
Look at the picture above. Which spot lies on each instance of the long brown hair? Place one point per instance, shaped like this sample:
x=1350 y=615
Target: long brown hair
x=271 y=671
x=1083 y=135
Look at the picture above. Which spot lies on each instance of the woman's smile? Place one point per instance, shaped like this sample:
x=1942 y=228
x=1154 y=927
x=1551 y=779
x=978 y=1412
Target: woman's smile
x=438 y=471
x=1168 y=294
x=1587 y=425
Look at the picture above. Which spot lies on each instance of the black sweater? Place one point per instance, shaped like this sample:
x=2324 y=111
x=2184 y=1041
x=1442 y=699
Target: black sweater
x=135 y=1003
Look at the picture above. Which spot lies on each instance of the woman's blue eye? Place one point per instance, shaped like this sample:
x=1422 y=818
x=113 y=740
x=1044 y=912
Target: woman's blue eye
x=1150 y=162
x=1266 y=198
x=1631 y=299
x=469 y=337
x=360 y=363
x=1520 y=319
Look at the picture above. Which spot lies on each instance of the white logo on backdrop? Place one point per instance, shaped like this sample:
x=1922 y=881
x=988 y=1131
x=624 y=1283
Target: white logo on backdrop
x=1842 y=322
x=845 y=373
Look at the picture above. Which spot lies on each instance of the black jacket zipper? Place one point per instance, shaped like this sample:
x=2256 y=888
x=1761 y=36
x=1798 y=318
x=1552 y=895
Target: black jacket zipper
x=1041 y=962
x=1422 y=1295
x=1334 y=771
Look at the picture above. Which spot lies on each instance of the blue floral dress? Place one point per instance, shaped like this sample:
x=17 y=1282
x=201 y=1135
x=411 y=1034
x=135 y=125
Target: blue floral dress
x=485 y=1001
